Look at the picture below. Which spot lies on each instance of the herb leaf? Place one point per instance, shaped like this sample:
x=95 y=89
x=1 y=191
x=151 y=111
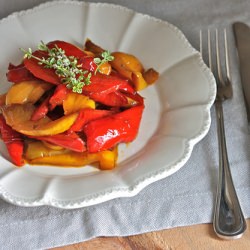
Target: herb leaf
x=65 y=67
x=106 y=57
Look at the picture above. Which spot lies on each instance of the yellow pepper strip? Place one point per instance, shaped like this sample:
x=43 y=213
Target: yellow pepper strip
x=37 y=153
x=72 y=159
x=26 y=92
x=105 y=68
x=52 y=146
x=138 y=81
x=18 y=117
x=107 y=159
x=75 y=102
x=51 y=128
x=125 y=64
x=37 y=149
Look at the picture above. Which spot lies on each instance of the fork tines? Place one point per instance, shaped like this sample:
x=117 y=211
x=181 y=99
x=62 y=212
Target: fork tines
x=218 y=54
x=220 y=65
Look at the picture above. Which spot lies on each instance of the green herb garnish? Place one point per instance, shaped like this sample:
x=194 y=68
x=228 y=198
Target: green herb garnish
x=106 y=57
x=66 y=67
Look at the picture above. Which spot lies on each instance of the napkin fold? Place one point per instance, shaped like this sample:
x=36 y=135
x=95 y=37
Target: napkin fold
x=184 y=198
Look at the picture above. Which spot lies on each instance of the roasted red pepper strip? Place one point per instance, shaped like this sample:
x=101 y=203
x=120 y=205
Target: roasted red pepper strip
x=19 y=73
x=41 y=111
x=105 y=133
x=113 y=99
x=108 y=89
x=13 y=142
x=70 y=141
x=105 y=84
x=86 y=61
x=69 y=48
x=134 y=99
x=12 y=66
x=48 y=74
x=87 y=115
x=118 y=99
x=59 y=96
x=104 y=89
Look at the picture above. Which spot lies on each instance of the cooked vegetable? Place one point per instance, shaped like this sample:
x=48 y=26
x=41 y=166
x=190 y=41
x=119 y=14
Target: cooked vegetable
x=59 y=95
x=13 y=142
x=69 y=63
x=75 y=102
x=150 y=76
x=37 y=149
x=71 y=106
x=19 y=118
x=107 y=132
x=41 y=111
x=19 y=73
x=67 y=140
x=38 y=153
x=86 y=115
x=130 y=67
x=126 y=64
x=17 y=114
x=28 y=92
x=2 y=99
x=139 y=81
x=105 y=57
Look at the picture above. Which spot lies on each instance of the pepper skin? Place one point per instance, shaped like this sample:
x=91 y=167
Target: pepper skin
x=19 y=73
x=41 y=111
x=66 y=140
x=59 y=95
x=108 y=90
x=13 y=142
x=87 y=115
x=107 y=132
x=49 y=75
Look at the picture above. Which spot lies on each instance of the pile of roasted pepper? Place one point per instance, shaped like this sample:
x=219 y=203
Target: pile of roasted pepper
x=43 y=122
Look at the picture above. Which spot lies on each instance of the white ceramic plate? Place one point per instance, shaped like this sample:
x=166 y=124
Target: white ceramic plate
x=176 y=117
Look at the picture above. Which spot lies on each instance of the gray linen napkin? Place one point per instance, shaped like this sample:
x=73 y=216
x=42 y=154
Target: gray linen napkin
x=185 y=198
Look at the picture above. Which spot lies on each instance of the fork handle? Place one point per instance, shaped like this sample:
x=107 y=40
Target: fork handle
x=229 y=222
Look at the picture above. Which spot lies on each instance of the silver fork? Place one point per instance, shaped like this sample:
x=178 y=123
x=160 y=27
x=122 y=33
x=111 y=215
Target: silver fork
x=228 y=221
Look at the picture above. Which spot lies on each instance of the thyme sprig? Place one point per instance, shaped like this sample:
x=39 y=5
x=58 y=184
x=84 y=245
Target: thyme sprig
x=66 y=67
x=106 y=57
